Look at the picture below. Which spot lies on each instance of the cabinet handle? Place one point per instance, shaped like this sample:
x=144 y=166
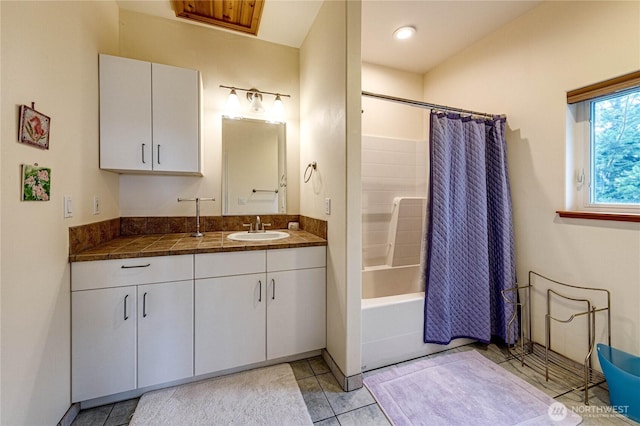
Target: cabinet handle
x=158 y=154
x=135 y=266
x=144 y=305
x=126 y=317
x=260 y=293
x=143 y=162
x=273 y=294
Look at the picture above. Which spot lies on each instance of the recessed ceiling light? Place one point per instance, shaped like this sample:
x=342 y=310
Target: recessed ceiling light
x=404 y=33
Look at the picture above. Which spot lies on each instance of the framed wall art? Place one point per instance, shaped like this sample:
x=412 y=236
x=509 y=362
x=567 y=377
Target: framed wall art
x=34 y=127
x=36 y=183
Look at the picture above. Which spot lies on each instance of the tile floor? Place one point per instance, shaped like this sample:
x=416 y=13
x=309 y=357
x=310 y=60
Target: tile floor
x=328 y=405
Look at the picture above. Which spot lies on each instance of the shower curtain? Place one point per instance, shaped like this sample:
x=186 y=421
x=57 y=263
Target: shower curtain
x=469 y=256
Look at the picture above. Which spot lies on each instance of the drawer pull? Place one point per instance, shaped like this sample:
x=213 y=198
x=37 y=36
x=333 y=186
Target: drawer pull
x=135 y=266
x=273 y=294
x=158 y=154
x=126 y=317
x=143 y=162
x=260 y=292
x=144 y=305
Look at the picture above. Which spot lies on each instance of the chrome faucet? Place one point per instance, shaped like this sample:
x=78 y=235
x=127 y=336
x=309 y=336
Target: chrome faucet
x=259 y=225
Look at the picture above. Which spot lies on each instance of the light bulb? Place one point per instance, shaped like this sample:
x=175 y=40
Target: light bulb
x=233 y=104
x=278 y=108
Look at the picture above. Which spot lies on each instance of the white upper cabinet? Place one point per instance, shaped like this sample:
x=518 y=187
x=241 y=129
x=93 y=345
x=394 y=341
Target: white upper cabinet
x=149 y=117
x=125 y=114
x=175 y=119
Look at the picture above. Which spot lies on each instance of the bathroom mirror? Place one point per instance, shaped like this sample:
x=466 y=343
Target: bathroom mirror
x=253 y=167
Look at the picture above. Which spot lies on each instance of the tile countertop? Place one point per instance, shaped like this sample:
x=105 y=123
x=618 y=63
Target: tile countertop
x=175 y=244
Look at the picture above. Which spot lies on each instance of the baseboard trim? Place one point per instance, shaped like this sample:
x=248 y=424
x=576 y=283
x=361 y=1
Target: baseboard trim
x=347 y=384
x=70 y=415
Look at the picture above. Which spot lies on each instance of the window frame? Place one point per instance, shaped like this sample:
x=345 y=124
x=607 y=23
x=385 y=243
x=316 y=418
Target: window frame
x=584 y=161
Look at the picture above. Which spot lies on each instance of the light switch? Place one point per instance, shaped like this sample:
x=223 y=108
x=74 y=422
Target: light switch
x=96 y=205
x=327 y=205
x=68 y=206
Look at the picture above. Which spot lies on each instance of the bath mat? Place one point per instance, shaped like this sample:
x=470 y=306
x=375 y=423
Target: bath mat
x=463 y=389
x=264 y=396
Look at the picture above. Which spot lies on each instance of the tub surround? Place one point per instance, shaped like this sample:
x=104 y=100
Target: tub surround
x=130 y=237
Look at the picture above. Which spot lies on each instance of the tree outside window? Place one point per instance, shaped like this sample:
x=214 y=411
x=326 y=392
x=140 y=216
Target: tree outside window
x=615 y=149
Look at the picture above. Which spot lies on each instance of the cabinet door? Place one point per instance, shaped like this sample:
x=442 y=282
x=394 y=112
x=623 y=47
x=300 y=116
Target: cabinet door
x=103 y=342
x=165 y=332
x=229 y=322
x=296 y=312
x=176 y=127
x=125 y=114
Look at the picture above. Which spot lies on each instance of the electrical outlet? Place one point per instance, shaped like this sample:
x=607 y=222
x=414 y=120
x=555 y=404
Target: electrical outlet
x=68 y=206
x=327 y=205
x=96 y=205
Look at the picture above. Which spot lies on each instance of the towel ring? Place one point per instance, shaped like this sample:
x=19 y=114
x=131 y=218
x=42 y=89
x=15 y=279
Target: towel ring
x=310 y=168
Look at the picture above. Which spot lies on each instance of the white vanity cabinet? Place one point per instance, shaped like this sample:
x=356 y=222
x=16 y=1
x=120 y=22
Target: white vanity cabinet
x=149 y=117
x=296 y=301
x=103 y=342
x=132 y=324
x=253 y=306
x=165 y=332
x=230 y=310
x=146 y=321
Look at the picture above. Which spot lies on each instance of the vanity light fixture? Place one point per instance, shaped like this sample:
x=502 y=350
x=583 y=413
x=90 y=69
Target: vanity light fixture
x=255 y=97
x=404 y=33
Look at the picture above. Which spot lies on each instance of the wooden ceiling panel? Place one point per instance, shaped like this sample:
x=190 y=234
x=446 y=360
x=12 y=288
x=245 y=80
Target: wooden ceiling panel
x=238 y=15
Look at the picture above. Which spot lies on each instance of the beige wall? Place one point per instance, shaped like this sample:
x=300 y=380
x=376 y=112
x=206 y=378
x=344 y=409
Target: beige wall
x=50 y=57
x=326 y=111
x=524 y=71
x=390 y=119
x=222 y=58
x=1 y=139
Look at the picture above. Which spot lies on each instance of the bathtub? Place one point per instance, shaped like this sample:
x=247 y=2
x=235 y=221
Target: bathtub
x=392 y=317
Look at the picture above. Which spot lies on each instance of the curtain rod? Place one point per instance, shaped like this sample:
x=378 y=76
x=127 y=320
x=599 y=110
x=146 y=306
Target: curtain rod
x=427 y=105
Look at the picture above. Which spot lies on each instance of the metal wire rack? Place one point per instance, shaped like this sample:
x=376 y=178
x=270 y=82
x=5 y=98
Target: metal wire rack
x=541 y=357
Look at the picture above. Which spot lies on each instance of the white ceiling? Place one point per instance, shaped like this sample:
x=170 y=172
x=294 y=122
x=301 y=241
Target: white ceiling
x=444 y=27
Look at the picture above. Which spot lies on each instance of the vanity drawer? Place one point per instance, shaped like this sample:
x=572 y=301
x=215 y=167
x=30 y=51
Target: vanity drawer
x=123 y=272
x=296 y=258
x=211 y=265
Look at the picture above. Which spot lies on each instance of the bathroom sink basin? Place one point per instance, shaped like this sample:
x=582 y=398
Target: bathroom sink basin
x=257 y=236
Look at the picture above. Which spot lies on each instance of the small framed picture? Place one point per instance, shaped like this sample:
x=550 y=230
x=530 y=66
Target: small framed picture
x=34 y=127
x=36 y=183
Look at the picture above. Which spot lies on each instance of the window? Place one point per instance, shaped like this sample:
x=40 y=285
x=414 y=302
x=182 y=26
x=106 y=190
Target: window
x=614 y=150
x=603 y=173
